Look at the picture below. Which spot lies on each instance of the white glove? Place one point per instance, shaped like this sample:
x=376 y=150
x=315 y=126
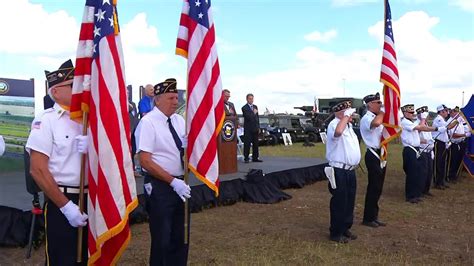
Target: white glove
x=349 y=112
x=442 y=129
x=73 y=215
x=82 y=144
x=424 y=115
x=468 y=134
x=182 y=189
x=184 y=142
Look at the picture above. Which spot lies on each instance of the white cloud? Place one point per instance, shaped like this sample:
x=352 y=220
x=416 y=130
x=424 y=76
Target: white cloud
x=224 y=46
x=35 y=31
x=432 y=70
x=138 y=33
x=321 y=37
x=467 y=5
x=345 y=3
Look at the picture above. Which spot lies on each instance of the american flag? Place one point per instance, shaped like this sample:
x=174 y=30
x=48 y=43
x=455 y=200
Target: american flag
x=99 y=89
x=205 y=107
x=391 y=88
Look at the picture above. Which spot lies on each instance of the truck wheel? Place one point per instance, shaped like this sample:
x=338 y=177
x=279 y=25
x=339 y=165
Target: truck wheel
x=312 y=137
x=272 y=140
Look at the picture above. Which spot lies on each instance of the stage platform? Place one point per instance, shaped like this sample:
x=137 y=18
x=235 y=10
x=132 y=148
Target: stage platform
x=265 y=186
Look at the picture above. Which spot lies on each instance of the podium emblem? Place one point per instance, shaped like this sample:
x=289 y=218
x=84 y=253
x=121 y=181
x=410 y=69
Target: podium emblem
x=228 y=130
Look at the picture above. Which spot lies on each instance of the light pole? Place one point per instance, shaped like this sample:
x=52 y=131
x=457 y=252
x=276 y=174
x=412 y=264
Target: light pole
x=462 y=99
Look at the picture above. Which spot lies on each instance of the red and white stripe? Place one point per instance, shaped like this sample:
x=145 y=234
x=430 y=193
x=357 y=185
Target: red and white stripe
x=391 y=91
x=204 y=110
x=112 y=188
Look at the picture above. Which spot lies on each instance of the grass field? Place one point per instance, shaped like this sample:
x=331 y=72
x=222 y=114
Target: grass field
x=438 y=231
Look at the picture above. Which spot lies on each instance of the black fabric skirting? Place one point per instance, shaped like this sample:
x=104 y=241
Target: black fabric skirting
x=256 y=188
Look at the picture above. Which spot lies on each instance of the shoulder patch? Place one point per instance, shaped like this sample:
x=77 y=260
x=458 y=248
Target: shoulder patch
x=37 y=124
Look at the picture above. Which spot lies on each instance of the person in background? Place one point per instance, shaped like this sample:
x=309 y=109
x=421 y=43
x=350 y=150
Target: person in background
x=251 y=129
x=426 y=152
x=146 y=104
x=456 y=151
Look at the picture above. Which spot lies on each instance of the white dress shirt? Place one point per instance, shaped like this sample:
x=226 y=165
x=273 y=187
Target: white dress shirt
x=154 y=136
x=371 y=136
x=343 y=149
x=458 y=129
x=52 y=133
x=440 y=122
x=410 y=136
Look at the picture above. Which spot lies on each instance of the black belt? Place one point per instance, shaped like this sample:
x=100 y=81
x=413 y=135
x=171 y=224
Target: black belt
x=72 y=190
x=376 y=150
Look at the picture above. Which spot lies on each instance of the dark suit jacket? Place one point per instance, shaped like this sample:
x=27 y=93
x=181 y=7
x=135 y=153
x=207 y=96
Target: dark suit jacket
x=251 y=120
x=229 y=108
x=133 y=116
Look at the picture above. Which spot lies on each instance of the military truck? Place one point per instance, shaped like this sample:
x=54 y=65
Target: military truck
x=264 y=136
x=292 y=125
x=313 y=122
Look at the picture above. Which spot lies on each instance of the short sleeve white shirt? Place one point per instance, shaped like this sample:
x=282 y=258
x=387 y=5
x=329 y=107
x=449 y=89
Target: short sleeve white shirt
x=410 y=136
x=53 y=134
x=440 y=122
x=458 y=129
x=154 y=136
x=343 y=149
x=371 y=136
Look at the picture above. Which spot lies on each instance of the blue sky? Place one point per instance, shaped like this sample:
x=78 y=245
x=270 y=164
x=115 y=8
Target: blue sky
x=285 y=52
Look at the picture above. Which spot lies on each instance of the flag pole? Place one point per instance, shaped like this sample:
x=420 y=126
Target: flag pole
x=85 y=124
x=186 y=171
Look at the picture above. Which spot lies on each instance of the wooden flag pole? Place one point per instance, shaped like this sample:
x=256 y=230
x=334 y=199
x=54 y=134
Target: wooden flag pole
x=85 y=124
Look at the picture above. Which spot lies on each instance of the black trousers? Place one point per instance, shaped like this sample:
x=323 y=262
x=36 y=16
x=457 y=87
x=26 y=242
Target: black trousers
x=166 y=221
x=439 y=163
x=427 y=171
x=376 y=177
x=342 y=201
x=251 y=138
x=414 y=180
x=455 y=155
x=61 y=237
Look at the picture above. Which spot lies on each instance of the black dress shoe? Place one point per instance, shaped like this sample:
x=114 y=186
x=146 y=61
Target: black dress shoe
x=370 y=224
x=339 y=239
x=350 y=235
x=257 y=161
x=380 y=223
x=246 y=161
x=414 y=200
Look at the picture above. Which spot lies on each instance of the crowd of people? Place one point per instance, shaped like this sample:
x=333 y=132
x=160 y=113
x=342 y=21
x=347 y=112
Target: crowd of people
x=429 y=153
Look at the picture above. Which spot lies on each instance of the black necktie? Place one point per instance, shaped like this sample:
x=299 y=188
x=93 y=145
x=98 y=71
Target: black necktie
x=177 y=141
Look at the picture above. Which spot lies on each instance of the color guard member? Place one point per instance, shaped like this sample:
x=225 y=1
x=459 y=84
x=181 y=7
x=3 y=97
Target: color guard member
x=411 y=151
x=343 y=154
x=160 y=145
x=371 y=130
x=55 y=146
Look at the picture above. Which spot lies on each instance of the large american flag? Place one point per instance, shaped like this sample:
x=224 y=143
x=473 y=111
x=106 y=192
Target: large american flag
x=99 y=88
x=205 y=109
x=391 y=88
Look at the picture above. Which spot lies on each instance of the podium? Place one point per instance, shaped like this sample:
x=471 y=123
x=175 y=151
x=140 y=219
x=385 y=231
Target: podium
x=227 y=146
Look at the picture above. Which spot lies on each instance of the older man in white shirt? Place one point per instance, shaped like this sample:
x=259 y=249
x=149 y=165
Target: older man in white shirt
x=343 y=154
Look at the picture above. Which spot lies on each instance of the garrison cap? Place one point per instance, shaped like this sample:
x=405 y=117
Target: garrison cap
x=410 y=108
x=167 y=86
x=372 y=97
x=422 y=109
x=441 y=107
x=341 y=105
x=63 y=74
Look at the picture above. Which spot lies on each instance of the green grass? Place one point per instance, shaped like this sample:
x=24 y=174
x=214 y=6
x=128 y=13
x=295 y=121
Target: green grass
x=14 y=129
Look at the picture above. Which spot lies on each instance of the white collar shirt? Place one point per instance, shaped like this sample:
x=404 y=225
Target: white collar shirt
x=458 y=129
x=429 y=145
x=53 y=134
x=410 y=136
x=343 y=149
x=154 y=136
x=440 y=122
x=371 y=136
